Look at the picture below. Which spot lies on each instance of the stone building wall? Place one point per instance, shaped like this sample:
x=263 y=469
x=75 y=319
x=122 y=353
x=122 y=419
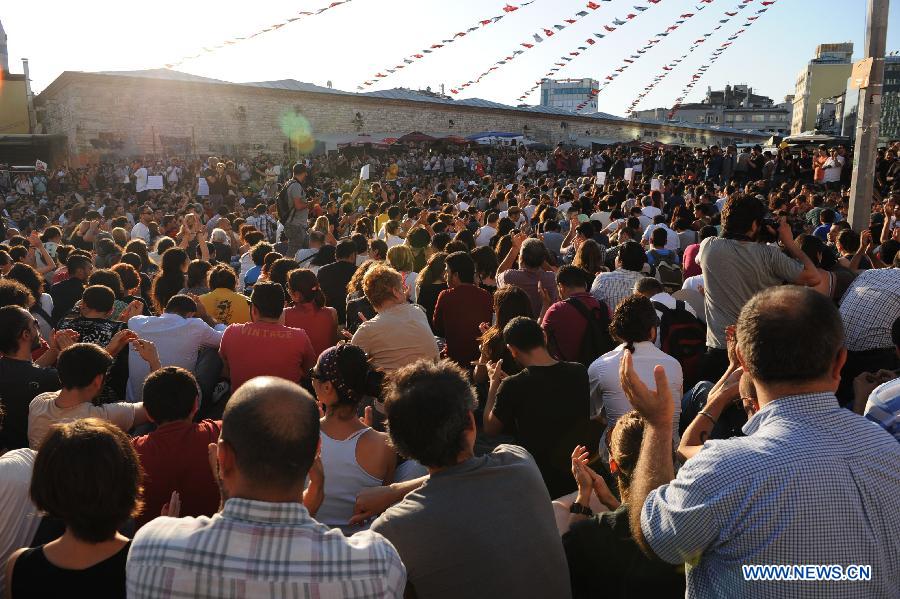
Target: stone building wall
x=127 y=115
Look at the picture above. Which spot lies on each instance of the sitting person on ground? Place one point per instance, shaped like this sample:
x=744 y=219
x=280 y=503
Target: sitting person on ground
x=82 y=370
x=577 y=326
x=182 y=335
x=263 y=540
x=518 y=405
x=399 y=334
x=460 y=309
x=634 y=325
x=86 y=475
x=509 y=303
x=602 y=542
x=758 y=499
x=223 y=303
x=265 y=347
x=174 y=456
x=613 y=287
x=354 y=456
x=308 y=310
x=441 y=526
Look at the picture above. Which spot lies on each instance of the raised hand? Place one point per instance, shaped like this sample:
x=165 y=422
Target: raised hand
x=120 y=340
x=655 y=406
x=172 y=508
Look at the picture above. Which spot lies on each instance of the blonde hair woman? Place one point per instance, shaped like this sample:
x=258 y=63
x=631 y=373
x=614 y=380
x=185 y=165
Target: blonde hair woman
x=400 y=257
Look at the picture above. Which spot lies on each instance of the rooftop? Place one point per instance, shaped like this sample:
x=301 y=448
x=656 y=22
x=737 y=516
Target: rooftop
x=401 y=94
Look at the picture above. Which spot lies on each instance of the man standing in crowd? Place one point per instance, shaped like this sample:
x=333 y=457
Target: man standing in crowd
x=264 y=539
x=296 y=218
x=774 y=496
x=738 y=265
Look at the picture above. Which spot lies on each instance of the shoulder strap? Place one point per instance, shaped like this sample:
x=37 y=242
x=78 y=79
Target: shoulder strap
x=679 y=306
x=666 y=309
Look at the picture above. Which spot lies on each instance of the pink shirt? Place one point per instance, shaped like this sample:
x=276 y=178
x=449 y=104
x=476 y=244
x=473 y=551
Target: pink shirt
x=266 y=349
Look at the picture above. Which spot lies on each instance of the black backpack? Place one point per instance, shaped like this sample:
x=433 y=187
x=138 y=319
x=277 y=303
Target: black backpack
x=596 y=340
x=283 y=202
x=683 y=336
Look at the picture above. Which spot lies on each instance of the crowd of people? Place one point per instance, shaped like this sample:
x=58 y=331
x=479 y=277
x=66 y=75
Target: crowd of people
x=500 y=372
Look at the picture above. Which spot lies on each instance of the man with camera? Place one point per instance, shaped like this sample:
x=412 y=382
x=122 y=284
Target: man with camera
x=739 y=264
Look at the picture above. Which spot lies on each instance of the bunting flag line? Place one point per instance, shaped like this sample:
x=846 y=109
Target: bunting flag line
x=716 y=54
x=579 y=50
x=481 y=24
x=668 y=68
x=299 y=16
x=537 y=38
x=626 y=64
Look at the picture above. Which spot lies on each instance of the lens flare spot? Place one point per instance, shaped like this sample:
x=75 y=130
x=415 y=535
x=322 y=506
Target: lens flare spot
x=298 y=130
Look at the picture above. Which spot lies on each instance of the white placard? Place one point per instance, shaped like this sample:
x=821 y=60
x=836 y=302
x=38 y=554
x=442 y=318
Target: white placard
x=629 y=172
x=364 y=173
x=655 y=184
x=601 y=178
x=202 y=187
x=155 y=182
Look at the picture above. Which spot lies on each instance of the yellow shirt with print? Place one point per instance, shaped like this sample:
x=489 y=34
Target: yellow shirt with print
x=226 y=306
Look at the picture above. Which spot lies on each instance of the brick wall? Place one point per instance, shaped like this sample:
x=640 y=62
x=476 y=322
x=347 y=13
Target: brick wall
x=126 y=115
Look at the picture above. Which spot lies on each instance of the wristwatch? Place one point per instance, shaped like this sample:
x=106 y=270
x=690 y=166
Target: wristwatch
x=577 y=508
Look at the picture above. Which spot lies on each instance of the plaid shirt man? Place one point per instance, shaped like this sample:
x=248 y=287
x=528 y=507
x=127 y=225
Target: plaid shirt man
x=811 y=483
x=260 y=549
x=869 y=308
x=612 y=287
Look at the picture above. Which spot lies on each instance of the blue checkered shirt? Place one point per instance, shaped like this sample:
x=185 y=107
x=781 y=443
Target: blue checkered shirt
x=883 y=407
x=259 y=549
x=811 y=483
x=612 y=287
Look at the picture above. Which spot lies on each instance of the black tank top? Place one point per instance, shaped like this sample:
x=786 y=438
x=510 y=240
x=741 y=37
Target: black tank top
x=34 y=576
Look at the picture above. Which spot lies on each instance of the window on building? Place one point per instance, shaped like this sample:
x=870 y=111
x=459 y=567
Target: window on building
x=758 y=118
x=738 y=118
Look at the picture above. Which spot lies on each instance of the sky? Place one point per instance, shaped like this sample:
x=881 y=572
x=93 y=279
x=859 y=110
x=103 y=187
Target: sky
x=350 y=43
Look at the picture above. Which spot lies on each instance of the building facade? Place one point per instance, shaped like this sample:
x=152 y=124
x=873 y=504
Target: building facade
x=889 y=123
x=13 y=95
x=170 y=113
x=735 y=106
x=825 y=76
x=569 y=93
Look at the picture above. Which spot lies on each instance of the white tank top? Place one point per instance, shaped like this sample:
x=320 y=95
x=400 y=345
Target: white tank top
x=344 y=479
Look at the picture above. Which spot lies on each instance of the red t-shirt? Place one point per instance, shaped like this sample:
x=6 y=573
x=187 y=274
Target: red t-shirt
x=319 y=324
x=690 y=266
x=457 y=314
x=174 y=458
x=266 y=349
x=566 y=326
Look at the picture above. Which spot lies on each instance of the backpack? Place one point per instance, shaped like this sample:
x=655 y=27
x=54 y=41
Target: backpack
x=683 y=336
x=596 y=340
x=283 y=202
x=667 y=271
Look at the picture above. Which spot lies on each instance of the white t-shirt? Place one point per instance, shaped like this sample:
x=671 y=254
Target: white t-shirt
x=140 y=231
x=140 y=179
x=43 y=413
x=606 y=389
x=485 y=234
x=19 y=519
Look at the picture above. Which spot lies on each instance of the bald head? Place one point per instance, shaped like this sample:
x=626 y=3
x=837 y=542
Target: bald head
x=272 y=426
x=789 y=334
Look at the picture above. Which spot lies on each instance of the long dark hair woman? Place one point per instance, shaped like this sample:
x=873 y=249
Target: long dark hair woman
x=170 y=279
x=509 y=302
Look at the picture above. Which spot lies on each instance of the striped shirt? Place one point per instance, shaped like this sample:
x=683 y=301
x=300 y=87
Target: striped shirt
x=260 y=549
x=811 y=483
x=612 y=287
